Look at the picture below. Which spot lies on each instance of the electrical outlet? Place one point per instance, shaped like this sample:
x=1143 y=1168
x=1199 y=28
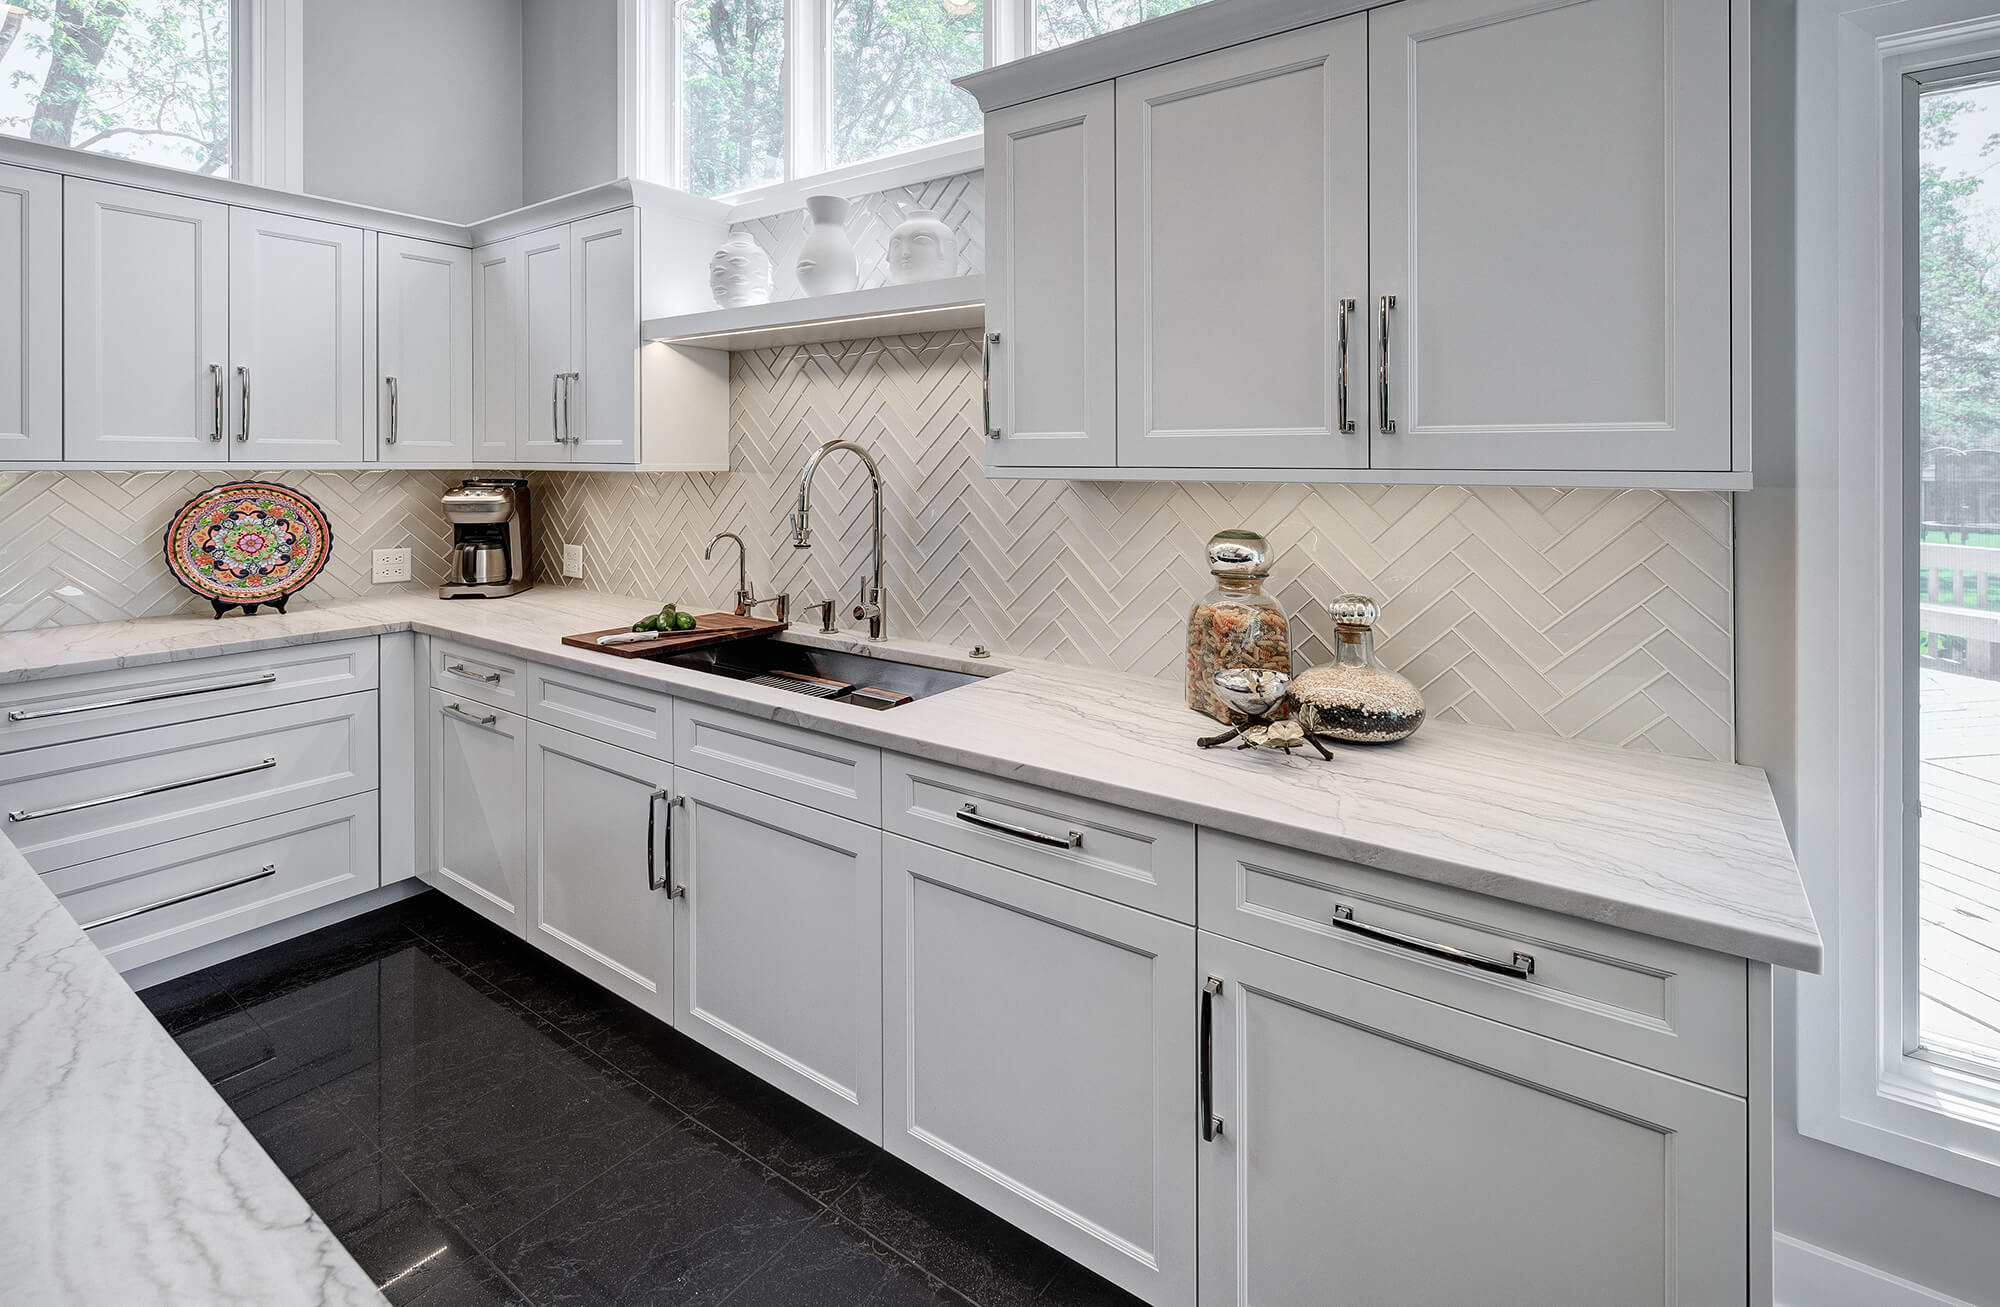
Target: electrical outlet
x=573 y=561
x=392 y=565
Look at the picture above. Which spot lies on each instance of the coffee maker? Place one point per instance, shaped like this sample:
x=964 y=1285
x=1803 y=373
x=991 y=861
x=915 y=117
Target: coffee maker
x=491 y=536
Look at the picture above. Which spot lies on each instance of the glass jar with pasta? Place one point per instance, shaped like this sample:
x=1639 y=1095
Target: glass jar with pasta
x=1235 y=624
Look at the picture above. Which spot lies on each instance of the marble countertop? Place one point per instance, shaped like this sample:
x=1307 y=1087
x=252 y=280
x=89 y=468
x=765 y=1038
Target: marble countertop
x=128 y=1182
x=1675 y=848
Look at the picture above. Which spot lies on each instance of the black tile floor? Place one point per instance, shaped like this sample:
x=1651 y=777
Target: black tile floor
x=481 y=1126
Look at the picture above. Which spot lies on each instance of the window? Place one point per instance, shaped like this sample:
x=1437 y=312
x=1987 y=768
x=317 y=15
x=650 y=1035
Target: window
x=142 y=79
x=1060 y=22
x=766 y=92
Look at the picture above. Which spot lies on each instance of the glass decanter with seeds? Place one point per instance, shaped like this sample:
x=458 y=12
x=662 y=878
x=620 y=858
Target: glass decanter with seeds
x=1353 y=698
x=1235 y=624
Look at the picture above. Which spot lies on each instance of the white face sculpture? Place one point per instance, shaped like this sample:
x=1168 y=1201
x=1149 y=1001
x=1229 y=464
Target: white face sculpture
x=739 y=275
x=915 y=252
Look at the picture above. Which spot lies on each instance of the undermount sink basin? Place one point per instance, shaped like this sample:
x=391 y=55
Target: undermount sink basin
x=860 y=679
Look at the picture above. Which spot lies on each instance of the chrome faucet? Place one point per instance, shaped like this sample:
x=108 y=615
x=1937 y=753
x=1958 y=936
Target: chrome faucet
x=744 y=595
x=874 y=603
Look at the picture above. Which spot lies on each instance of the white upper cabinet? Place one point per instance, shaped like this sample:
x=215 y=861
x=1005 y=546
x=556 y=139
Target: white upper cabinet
x=424 y=352
x=30 y=314
x=1550 y=199
x=145 y=325
x=1051 y=282
x=542 y=347
x=1242 y=228
x=299 y=326
x=602 y=424
x=496 y=342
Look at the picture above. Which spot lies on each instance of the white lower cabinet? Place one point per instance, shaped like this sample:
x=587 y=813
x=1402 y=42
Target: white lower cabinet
x=478 y=774
x=598 y=878
x=1372 y=1147
x=778 y=944
x=1039 y=1050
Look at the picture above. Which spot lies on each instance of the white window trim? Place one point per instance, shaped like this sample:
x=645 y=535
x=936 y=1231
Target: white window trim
x=649 y=97
x=1858 y=1085
x=267 y=93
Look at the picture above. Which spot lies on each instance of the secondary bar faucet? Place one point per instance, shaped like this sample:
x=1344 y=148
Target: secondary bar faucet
x=744 y=595
x=874 y=603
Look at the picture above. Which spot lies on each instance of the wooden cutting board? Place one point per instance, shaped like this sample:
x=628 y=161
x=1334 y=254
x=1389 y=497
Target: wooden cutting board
x=709 y=628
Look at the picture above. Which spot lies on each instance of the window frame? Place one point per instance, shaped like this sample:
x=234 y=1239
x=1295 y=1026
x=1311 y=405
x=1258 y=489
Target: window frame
x=1863 y=1082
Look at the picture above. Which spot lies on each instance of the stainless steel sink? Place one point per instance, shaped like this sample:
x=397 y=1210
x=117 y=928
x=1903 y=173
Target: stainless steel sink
x=860 y=679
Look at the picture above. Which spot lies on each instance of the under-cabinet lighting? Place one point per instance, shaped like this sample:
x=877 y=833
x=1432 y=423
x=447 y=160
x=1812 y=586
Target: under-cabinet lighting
x=742 y=333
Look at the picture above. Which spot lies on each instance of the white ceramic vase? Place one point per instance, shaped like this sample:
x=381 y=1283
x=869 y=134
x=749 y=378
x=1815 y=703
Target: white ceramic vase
x=922 y=248
x=740 y=272
x=826 y=260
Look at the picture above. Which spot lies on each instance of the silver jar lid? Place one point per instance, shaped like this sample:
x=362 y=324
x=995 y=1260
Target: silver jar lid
x=1239 y=553
x=1354 y=611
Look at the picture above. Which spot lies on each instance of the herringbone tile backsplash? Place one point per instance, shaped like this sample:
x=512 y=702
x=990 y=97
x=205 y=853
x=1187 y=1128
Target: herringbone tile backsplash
x=1600 y=614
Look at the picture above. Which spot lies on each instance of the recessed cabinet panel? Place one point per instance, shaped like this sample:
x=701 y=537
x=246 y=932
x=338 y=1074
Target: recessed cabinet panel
x=602 y=424
x=1410 y=1153
x=145 y=325
x=1038 y=1043
x=424 y=351
x=496 y=343
x=542 y=356
x=1051 y=282
x=598 y=900
x=31 y=310
x=1550 y=201
x=478 y=778
x=1242 y=226
x=298 y=323
x=778 y=951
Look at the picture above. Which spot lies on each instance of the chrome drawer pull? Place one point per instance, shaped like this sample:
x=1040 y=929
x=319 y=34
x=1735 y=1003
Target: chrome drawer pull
x=1211 y=1124
x=458 y=710
x=969 y=813
x=491 y=678
x=986 y=385
x=270 y=869
x=1522 y=967
x=22 y=815
x=37 y=714
x=1346 y=424
x=1388 y=424
x=243 y=433
x=653 y=880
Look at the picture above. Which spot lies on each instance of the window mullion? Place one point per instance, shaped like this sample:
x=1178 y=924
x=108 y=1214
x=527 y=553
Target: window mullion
x=806 y=126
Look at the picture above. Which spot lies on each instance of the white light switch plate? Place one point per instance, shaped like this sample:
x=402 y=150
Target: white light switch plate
x=573 y=561
x=392 y=565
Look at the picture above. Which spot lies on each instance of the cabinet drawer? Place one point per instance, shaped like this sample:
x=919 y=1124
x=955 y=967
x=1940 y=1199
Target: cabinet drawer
x=624 y=715
x=493 y=679
x=806 y=767
x=1132 y=857
x=153 y=903
x=70 y=803
x=35 y=713
x=1676 y=1009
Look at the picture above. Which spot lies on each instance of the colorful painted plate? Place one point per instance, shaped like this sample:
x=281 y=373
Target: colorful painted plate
x=248 y=543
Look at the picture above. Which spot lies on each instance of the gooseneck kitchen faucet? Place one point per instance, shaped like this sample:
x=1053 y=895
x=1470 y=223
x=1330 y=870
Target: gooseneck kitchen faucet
x=874 y=603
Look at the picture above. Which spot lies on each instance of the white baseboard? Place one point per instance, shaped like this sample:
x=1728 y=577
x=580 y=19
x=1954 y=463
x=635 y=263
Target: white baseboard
x=1810 y=1276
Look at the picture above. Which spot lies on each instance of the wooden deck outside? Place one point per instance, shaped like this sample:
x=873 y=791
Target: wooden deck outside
x=1960 y=831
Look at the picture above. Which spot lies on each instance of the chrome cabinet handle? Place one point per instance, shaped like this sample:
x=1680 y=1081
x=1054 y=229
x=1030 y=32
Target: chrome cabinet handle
x=20 y=814
x=243 y=376
x=1346 y=421
x=458 y=710
x=555 y=394
x=1388 y=423
x=391 y=383
x=269 y=869
x=215 y=386
x=568 y=435
x=969 y=813
x=654 y=882
x=1522 y=967
x=460 y=669
x=1211 y=1124
x=986 y=383
x=37 y=714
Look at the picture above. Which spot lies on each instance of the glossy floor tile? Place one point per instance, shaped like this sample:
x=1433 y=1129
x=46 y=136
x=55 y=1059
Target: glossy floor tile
x=483 y=1128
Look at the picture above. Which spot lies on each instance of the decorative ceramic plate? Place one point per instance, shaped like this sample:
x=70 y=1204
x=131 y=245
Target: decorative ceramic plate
x=248 y=543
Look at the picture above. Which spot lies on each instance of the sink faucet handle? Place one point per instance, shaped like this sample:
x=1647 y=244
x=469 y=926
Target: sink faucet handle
x=868 y=602
x=782 y=607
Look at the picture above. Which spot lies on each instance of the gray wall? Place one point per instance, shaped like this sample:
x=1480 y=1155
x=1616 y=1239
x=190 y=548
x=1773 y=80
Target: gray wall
x=1789 y=631
x=569 y=96
x=415 y=107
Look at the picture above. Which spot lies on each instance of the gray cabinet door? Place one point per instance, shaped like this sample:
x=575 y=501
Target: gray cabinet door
x=478 y=784
x=1378 y=1148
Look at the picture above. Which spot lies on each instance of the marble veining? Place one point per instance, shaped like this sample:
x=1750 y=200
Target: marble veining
x=128 y=1182
x=1682 y=849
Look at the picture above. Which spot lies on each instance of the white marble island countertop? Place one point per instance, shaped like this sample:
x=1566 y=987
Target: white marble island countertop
x=128 y=1183
x=1683 y=850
